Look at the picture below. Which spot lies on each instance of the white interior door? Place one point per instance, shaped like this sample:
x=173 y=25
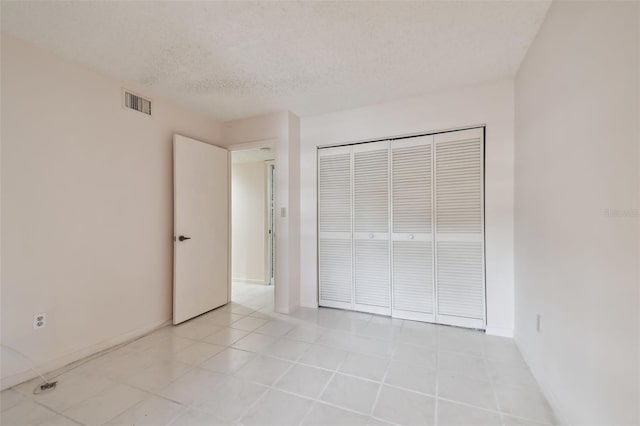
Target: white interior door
x=412 y=228
x=201 y=227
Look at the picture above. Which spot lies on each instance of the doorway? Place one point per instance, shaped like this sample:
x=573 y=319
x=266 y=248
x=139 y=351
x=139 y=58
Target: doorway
x=253 y=226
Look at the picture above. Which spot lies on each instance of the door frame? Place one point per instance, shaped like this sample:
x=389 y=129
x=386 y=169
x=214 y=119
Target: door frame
x=262 y=143
x=271 y=222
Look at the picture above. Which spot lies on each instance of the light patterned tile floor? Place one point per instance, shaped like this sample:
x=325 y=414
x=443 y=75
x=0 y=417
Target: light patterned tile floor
x=242 y=364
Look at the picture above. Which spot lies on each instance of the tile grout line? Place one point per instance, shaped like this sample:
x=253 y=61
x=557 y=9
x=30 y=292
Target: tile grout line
x=324 y=388
x=56 y=412
x=147 y=394
x=337 y=371
x=494 y=411
x=118 y=381
x=370 y=380
x=292 y=362
x=230 y=375
x=239 y=419
x=436 y=396
x=296 y=323
x=155 y=392
x=269 y=387
x=384 y=376
x=321 y=401
x=493 y=392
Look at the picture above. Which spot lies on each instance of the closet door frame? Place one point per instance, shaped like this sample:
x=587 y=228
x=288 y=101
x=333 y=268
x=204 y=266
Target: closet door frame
x=404 y=236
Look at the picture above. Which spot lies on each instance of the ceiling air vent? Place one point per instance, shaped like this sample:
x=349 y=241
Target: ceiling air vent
x=137 y=103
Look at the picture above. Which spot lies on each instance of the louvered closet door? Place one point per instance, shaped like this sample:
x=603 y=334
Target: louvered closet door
x=459 y=219
x=371 y=227
x=412 y=229
x=335 y=248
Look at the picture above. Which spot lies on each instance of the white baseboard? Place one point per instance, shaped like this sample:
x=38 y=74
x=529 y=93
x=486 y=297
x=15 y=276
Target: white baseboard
x=74 y=356
x=501 y=332
x=558 y=410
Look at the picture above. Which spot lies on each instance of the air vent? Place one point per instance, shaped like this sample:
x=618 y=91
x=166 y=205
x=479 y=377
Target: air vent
x=137 y=103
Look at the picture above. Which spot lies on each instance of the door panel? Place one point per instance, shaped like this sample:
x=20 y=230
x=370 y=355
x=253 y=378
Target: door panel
x=372 y=276
x=335 y=257
x=335 y=272
x=413 y=280
x=459 y=219
x=460 y=269
x=201 y=213
x=371 y=227
x=412 y=233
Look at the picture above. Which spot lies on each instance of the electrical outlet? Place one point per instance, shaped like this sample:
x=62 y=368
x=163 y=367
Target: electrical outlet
x=39 y=321
x=538 y=323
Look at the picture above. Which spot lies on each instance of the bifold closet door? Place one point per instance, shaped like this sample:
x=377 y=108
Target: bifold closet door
x=412 y=229
x=401 y=228
x=372 y=286
x=459 y=221
x=335 y=245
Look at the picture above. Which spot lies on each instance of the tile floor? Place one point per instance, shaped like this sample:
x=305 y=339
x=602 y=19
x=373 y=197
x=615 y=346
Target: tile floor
x=243 y=364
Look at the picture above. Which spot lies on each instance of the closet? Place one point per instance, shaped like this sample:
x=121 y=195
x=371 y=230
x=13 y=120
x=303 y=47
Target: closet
x=401 y=227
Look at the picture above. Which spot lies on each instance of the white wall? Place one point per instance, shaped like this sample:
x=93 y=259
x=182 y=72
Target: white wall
x=490 y=104
x=249 y=221
x=86 y=209
x=576 y=158
x=295 y=197
x=279 y=131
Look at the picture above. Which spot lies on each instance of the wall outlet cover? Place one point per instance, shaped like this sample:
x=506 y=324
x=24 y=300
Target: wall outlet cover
x=39 y=321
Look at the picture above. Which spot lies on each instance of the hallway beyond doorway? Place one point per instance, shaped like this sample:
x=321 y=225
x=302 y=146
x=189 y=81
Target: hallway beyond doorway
x=255 y=296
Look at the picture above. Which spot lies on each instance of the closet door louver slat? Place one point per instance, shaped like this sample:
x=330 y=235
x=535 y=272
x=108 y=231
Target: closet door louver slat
x=335 y=270
x=372 y=274
x=371 y=190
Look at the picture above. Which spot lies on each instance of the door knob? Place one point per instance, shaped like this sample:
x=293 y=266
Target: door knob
x=182 y=238
x=411 y=237
x=370 y=235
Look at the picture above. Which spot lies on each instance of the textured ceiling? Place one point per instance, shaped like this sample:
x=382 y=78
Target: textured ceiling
x=238 y=59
